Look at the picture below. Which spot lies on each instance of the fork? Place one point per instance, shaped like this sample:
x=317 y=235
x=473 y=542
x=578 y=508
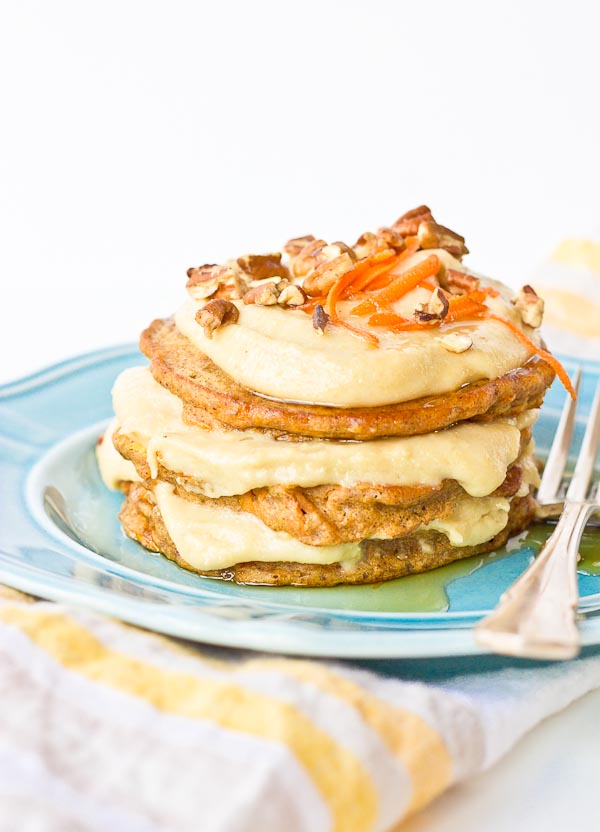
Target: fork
x=536 y=616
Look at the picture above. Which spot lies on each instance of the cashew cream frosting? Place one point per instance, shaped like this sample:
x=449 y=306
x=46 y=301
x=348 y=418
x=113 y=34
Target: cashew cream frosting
x=114 y=469
x=226 y=463
x=277 y=353
x=211 y=537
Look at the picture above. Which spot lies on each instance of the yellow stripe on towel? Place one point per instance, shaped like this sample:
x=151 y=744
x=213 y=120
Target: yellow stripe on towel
x=416 y=743
x=335 y=770
x=578 y=252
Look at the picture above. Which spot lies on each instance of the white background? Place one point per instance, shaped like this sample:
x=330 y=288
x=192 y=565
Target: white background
x=138 y=139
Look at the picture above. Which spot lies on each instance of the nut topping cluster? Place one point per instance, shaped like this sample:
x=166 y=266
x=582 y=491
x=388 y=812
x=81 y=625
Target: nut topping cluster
x=303 y=273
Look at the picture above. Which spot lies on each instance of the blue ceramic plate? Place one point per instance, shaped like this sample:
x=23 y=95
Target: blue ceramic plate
x=60 y=539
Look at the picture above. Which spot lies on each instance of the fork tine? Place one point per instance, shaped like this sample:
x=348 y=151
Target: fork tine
x=584 y=468
x=559 y=452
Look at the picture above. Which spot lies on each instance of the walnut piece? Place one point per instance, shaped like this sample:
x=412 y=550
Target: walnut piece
x=435 y=309
x=530 y=306
x=390 y=238
x=324 y=276
x=307 y=258
x=262 y=266
x=216 y=313
x=264 y=294
x=291 y=295
x=366 y=245
x=204 y=281
x=456 y=342
x=432 y=235
x=294 y=246
x=459 y=283
x=386 y=239
x=333 y=250
x=408 y=224
x=320 y=319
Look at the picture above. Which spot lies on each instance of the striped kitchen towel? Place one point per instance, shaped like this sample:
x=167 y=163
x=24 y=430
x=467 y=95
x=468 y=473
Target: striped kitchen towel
x=104 y=726
x=569 y=282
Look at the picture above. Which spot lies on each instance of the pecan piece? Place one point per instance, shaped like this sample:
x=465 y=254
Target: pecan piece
x=325 y=275
x=264 y=294
x=456 y=342
x=435 y=309
x=530 y=306
x=408 y=224
x=291 y=295
x=204 y=281
x=432 y=235
x=233 y=289
x=216 y=313
x=307 y=258
x=459 y=283
x=262 y=266
x=390 y=238
x=386 y=239
x=294 y=246
x=320 y=319
x=366 y=245
x=333 y=250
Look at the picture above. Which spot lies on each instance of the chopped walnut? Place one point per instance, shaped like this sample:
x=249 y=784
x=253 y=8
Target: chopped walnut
x=262 y=266
x=386 y=239
x=366 y=245
x=325 y=275
x=435 y=309
x=291 y=295
x=408 y=224
x=216 y=313
x=204 y=281
x=307 y=258
x=320 y=319
x=459 y=283
x=530 y=306
x=456 y=342
x=264 y=294
x=390 y=238
x=432 y=235
x=294 y=246
x=333 y=250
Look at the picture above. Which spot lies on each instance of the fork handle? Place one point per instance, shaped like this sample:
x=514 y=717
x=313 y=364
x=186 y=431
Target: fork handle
x=536 y=616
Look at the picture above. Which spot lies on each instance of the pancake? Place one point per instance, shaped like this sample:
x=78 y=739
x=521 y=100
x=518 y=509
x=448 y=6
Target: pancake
x=212 y=398
x=326 y=515
x=332 y=414
x=381 y=560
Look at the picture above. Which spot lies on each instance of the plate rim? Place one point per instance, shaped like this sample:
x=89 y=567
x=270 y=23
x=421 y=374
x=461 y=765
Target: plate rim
x=413 y=642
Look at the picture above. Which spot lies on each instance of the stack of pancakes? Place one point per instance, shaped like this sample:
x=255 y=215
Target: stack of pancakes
x=231 y=478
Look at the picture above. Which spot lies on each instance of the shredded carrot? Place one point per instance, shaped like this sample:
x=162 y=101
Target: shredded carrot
x=379 y=266
x=457 y=301
x=309 y=306
x=366 y=277
x=374 y=274
x=394 y=322
x=473 y=311
x=366 y=307
x=408 y=280
x=333 y=296
x=544 y=354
